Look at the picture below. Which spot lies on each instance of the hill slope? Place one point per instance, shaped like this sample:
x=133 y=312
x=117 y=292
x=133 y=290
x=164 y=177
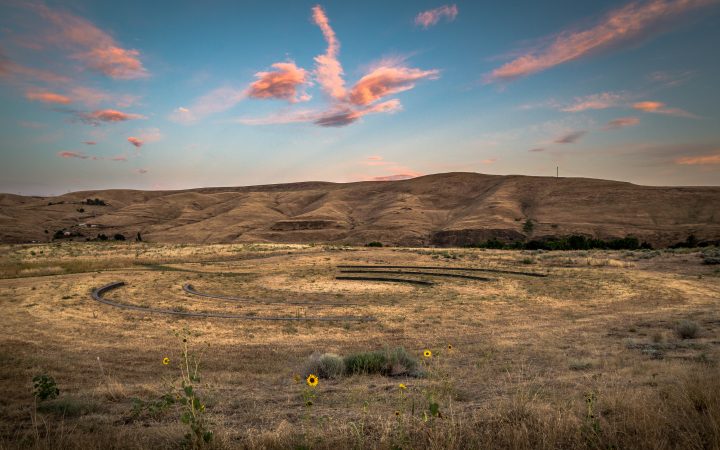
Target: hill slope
x=441 y=209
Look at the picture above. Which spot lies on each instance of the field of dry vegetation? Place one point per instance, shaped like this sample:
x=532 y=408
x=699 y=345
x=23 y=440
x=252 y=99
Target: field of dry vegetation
x=609 y=350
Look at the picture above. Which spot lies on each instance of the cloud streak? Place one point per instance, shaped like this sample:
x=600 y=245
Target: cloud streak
x=426 y=19
x=570 y=138
x=328 y=69
x=95 y=48
x=699 y=160
x=69 y=155
x=47 y=97
x=386 y=80
x=660 y=108
x=136 y=142
x=108 y=116
x=621 y=122
x=632 y=21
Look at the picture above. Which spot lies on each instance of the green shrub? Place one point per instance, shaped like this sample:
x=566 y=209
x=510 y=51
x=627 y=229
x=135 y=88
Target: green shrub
x=374 y=244
x=327 y=365
x=528 y=226
x=44 y=387
x=365 y=363
x=687 y=329
x=389 y=362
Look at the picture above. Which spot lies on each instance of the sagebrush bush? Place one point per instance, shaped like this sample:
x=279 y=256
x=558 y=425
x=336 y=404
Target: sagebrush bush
x=390 y=362
x=326 y=365
x=687 y=329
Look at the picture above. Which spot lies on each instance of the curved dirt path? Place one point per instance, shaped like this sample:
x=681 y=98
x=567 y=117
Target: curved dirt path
x=97 y=295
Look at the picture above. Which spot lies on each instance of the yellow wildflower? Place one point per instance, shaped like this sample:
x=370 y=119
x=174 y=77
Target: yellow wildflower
x=166 y=361
x=427 y=354
x=312 y=380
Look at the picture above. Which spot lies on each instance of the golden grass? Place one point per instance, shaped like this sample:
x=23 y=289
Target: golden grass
x=526 y=351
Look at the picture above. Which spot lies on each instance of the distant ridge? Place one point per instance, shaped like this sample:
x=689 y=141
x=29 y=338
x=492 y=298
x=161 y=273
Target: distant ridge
x=448 y=209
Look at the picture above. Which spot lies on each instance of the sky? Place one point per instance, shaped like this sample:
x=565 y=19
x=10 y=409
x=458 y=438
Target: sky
x=174 y=95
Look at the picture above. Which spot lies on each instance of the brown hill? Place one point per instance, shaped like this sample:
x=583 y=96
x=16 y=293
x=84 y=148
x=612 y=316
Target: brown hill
x=441 y=209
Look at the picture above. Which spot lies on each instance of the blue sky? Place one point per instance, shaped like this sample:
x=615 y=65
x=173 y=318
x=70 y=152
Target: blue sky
x=164 y=95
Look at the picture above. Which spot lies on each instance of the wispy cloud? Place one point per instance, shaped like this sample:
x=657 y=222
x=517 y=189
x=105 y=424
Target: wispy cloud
x=141 y=171
x=15 y=72
x=95 y=48
x=329 y=71
x=622 y=25
x=68 y=154
x=621 y=122
x=661 y=108
x=89 y=142
x=570 y=138
x=137 y=142
x=282 y=83
x=386 y=80
x=431 y=17
x=699 y=160
x=215 y=101
x=537 y=149
x=108 y=115
x=47 y=97
x=602 y=100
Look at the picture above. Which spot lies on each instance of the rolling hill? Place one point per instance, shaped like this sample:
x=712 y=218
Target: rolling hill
x=448 y=209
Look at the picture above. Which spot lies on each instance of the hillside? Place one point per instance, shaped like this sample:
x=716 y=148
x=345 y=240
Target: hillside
x=441 y=209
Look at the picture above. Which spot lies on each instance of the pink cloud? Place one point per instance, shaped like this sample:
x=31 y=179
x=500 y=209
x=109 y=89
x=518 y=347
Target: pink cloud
x=489 y=161
x=282 y=83
x=384 y=81
x=621 y=122
x=660 y=108
x=699 y=160
x=329 y=71
x=68 y=154
x=570 y=138
x=135 y=141
x=141 y=171
x=94 y=47
x=632 y=21
x=603 y=100
x=431 y=17
x=120 y=158
x=108 y=115
x=47 y=97
x=375 y=158
x=397 y=176
x=536 y=150
x=90 y=143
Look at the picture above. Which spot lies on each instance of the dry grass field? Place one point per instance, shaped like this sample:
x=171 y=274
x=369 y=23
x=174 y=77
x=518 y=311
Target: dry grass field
x=610 y=350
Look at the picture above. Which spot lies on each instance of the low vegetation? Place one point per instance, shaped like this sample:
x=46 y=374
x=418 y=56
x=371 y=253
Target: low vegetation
x=610 y=350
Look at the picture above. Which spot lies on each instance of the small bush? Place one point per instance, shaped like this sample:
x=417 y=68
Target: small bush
x=374 y=244
x=327 y=365
x=687 y=329
x=385 y=362
x=711 y=256
x=44 y=387
x=119 y=237
x=365 y=363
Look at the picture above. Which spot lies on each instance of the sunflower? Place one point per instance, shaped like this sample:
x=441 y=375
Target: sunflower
x=166 y=361
x=450 y=347
x=312 y=380
x=402 y=386
x=427 y=354
x=397 y=413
